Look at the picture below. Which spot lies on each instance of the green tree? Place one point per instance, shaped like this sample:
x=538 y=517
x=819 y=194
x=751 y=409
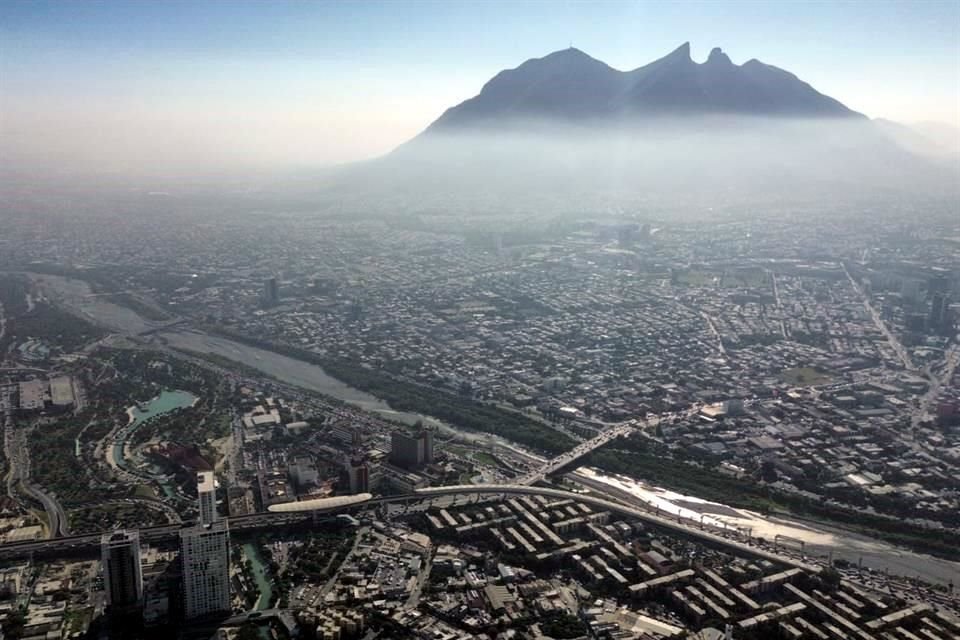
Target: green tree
x=248 y=631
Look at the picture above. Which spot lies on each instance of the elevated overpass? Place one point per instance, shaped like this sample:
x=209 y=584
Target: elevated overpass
x=166 y=326
x=302 y=513
x=576 y=453
x=582 y=449
x=675 y=525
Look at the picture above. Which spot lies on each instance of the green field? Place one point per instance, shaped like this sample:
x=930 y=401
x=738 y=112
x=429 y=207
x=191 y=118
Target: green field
x=460 y=451
x=801 y=376
x=736 y=278
x=746 y=278
x=144 y=491
x=699 y=278
x=485 y=458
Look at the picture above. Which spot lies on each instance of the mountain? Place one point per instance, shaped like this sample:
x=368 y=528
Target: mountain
x=567 y=132
x=571 y=86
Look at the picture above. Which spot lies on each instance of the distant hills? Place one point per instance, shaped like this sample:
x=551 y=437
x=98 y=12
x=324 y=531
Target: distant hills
x=930 y=139
x=571 y=86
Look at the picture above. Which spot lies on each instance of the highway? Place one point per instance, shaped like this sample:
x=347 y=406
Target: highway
x=614 y=432
x=776 y=299
x=89 y=544
x=895 y=344
x=952 y=359
x=577 y=452
x=676 y=525
x=18 y=457
x=716 y=334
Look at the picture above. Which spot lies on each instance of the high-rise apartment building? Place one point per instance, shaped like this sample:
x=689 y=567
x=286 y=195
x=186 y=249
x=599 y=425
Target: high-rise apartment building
x=411 y=451
x=271 y=292
x=205 y=562
x=206 y=498
x=405 y=451
x=426 y=436
x=358 y=476
x=939 y=312
x=122 y=574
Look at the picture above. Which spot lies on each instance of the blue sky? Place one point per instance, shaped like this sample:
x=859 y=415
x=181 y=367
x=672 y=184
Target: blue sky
x=323 y=82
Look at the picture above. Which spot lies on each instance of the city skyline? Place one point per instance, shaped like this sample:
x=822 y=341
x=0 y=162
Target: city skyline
x=480 y=320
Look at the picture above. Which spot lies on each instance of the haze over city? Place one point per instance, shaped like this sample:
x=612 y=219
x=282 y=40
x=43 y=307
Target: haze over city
x=175 y=87
x=479 y=320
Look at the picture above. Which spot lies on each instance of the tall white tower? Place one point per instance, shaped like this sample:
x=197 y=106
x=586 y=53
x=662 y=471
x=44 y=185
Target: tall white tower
x=205 y=560
x=207 y=498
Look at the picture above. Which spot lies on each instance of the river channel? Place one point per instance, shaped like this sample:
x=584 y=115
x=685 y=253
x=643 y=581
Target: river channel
x=260 y=577
x=819 y=539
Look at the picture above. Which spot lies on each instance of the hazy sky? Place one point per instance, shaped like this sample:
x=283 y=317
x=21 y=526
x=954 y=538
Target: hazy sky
x=255 y=84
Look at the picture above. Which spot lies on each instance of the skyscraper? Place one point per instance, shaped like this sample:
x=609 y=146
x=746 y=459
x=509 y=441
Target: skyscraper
x=206 y=498
x=122 y=574
x=205 y=561
x=358 y=476
x=271 y=292
x=405 y=451
x=427 y=436
x=910 y=290
x=939 y=312
x=411 y=451
x=939 y=283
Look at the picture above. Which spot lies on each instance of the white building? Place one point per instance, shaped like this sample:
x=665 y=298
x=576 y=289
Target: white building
x=207 y=497
x=205 y=560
